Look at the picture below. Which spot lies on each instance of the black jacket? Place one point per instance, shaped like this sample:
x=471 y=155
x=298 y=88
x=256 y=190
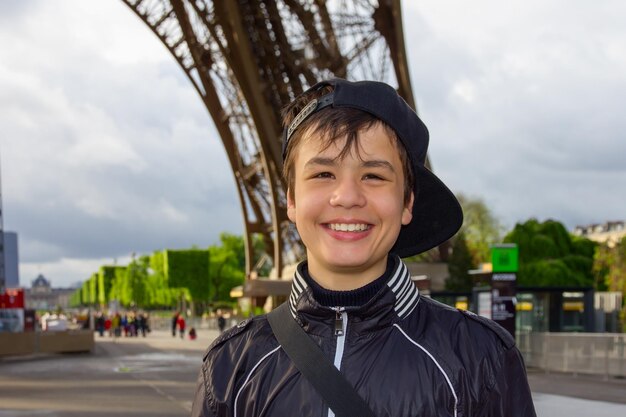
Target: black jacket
x=406 y=355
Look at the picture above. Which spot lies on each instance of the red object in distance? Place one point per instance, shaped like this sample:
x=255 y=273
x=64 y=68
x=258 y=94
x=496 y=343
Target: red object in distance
x=12 y=298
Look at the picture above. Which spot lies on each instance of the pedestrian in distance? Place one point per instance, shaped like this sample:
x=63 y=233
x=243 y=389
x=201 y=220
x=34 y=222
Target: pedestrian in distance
x=175 y=323
x=142 y=323
x=221 y=322
x=116 y=325
x=181 y=325
x=192 y=333
x=132 y=325
x=100 y=323
x=362 y=199
x=107 y=326
x=125 y=325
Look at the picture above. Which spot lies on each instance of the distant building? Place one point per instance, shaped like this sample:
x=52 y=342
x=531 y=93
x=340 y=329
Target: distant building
x=610 y=232
x=11 y=260
x=41 y=295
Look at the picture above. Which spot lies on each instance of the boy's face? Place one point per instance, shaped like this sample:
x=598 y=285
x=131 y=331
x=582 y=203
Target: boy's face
x=349 y=211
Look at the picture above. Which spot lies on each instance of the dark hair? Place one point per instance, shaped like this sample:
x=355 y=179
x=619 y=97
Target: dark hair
x=330 y=124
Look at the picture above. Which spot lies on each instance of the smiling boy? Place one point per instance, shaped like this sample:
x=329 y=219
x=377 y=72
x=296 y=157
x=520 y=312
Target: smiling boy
x=361 y=198
x=348 y=210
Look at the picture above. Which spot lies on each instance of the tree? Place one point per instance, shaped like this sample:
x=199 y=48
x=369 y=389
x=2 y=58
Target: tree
x=160 y=293
x=227 y=266
x=235 y=246
x=168 y=277
x=549 y=256
x=480 y=227
x=119 y=288
x=459 y=264
x=137 y=276
x=188 y=269
x=609 y=267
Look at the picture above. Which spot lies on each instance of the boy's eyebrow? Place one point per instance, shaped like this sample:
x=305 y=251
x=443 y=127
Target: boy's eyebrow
x=374 y=163
x=378 y=163
x=318 y=160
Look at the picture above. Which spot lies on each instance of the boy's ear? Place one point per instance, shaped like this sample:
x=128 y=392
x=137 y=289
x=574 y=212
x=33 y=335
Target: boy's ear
x=407 y=212
x=291 y=207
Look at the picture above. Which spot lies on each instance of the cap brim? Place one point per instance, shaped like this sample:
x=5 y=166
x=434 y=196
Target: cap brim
x=437 y=216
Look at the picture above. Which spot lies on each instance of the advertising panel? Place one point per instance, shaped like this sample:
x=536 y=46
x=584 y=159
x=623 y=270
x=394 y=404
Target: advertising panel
x=505 y=264
x=503 y=300
x=12 y=310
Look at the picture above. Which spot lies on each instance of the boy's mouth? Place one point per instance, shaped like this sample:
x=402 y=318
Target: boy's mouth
x=349 y=227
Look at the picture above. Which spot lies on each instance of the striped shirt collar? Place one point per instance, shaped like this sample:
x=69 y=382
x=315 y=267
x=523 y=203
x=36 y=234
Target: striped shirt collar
x=405 y=290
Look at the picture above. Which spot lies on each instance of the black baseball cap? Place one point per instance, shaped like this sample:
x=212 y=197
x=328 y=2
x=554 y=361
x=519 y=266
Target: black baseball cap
x=437 y=214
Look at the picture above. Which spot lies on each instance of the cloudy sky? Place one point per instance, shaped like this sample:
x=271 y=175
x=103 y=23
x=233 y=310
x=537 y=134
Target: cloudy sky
x=107 y=150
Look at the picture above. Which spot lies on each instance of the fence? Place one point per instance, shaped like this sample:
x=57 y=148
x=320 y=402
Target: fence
x=585 y=353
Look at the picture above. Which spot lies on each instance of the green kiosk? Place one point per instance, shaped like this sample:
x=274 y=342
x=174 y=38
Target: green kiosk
x=504 y=260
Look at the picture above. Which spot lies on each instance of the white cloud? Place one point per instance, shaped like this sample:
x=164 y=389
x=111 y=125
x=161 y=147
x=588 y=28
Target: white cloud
x=99 y=144
x=168 y=212
x=530 y=120
x=107 y=149
x=465 y=90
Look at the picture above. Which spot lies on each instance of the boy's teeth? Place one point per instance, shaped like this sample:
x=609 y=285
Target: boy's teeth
x=348 y=227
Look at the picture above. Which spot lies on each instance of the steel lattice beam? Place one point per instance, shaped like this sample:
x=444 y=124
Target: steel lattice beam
x=248 y=58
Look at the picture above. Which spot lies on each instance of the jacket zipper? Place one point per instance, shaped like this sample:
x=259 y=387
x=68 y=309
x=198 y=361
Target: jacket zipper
x=341 y=324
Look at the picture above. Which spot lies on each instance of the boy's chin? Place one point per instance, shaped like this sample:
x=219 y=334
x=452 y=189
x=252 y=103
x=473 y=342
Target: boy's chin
x=352 y=264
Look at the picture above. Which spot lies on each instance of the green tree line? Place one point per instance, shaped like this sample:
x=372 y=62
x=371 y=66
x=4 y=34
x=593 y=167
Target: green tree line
x=164 y=278
x=549 y=256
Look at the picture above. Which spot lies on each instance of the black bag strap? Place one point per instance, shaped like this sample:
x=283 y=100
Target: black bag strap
x=340 y=395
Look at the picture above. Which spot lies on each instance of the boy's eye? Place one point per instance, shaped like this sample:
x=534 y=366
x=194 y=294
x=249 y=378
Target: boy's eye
x=322 y=175
x=372 y=176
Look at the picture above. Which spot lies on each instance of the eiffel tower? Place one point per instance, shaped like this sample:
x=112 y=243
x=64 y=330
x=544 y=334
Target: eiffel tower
x=248 y=58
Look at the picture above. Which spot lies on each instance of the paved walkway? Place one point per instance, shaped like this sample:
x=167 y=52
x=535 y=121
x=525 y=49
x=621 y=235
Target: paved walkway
x=567 y=395
x=144 y=377
x=585 y=387
x=156 y=376
x=548 y=405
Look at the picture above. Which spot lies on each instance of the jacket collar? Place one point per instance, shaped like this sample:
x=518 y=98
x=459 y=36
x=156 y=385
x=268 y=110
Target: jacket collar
x=399 y=296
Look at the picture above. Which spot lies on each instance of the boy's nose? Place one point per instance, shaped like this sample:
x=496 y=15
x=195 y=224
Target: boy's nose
x=347 y=193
